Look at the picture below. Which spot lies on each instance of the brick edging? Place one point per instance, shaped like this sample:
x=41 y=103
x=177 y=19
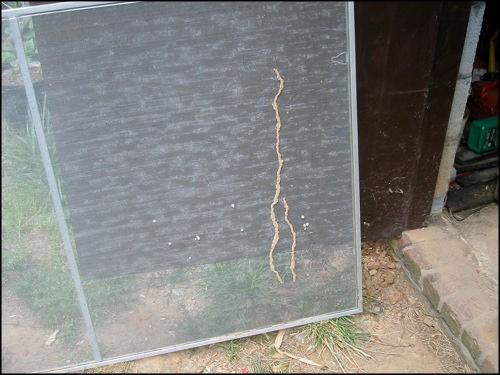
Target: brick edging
x=461 y=329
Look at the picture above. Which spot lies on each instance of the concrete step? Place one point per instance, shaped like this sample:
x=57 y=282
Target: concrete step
x=458 y=282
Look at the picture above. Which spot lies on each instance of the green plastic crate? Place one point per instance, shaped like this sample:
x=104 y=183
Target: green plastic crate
x=483 y=135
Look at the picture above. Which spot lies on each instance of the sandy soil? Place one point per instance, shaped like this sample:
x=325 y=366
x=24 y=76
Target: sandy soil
x=405 y=336
x=151 y=323
x=12 y=77
x=25 y=344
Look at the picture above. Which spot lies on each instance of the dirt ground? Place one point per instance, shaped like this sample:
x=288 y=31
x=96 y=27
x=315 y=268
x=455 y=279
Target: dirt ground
x=404 y=336
x=26 y=343
x=22 y=334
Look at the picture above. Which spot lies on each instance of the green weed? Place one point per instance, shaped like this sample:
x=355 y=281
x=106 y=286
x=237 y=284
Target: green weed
x=335 y=332
x=232 y=349
x=258 y=367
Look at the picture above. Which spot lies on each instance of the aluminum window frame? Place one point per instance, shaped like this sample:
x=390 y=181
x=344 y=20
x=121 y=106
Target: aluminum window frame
x=13 y=15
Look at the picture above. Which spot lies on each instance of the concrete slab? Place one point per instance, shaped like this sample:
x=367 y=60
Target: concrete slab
x=455 y=265
x=480 y=231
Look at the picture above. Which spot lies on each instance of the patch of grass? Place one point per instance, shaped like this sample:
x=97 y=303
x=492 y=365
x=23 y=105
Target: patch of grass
x=24 y=192
x=107 y=297
x=335 y=332
x=24 y=198
x=258 y=367
x=238 y=294
x=244 y=278
x=14 y=258
x=21 y=162
x=367 y=299
x=39 y=275
x=232 y=349
x=340 y=336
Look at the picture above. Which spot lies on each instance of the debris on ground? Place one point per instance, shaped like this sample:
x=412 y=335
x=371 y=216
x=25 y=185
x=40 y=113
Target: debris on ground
x=52 y=338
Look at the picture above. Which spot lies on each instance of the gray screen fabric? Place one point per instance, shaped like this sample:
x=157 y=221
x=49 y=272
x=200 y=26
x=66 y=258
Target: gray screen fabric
x=164 y=145
x=162 y=120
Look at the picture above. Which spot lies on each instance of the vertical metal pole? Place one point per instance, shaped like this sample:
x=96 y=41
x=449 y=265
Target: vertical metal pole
x=54 y=191
x=354 y=144
x=456 y=121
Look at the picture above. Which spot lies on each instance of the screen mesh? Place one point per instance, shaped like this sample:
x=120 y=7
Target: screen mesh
x=204 y=200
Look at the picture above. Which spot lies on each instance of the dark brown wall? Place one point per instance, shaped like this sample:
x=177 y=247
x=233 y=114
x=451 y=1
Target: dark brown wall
x=408 y=55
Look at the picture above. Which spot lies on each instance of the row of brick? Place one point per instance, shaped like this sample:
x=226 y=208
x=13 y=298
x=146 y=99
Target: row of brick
x=440 y=265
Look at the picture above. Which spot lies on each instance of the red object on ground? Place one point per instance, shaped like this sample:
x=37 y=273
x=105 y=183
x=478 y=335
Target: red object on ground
x=484 y=99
